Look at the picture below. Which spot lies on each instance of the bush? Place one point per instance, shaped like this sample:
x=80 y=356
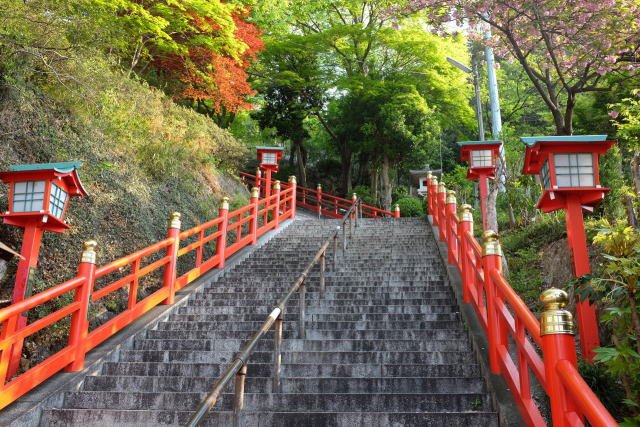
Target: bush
x=410 y=207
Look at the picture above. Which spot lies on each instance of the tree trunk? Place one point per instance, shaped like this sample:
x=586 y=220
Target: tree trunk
x=386 y=184
x=492 y=212
x=302 y=172
x=512 y=217
x=374 y=185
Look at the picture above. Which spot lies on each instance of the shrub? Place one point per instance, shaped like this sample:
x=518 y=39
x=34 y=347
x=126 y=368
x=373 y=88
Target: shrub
x=410 y=207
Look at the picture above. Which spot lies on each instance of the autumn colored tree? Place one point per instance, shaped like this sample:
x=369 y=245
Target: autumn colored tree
x=565 y=48
x=214 y=81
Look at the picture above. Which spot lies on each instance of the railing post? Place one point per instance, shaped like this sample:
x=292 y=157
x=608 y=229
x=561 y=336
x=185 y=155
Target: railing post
x=171 y=269
x=465 y=225
x=277 y=353
x=556 y=329
x=451 y=226
x=335 y=249
x=221 y=244
x=396 y=211
x=344 y=238
x=433 y=194
x=301 y=306
x=276 y=211
x=429 y=198
x=259 y=179
x=80 y=319
x=238 y=395
x=354 y=214
x=255 y=197
x=319 y=207
x=322 y=268
x=492 y=260
x=442 y=218
x=294 y=192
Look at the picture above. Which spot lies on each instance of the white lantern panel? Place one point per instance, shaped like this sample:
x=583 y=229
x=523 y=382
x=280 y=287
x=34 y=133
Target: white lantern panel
x=574 y=170
x=544 y=175
x=28 y=196
x=269 y=159
x=57 y=201
x=481 y=158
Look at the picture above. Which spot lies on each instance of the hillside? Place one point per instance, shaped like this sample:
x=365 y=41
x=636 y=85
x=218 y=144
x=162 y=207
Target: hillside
x=144 y=157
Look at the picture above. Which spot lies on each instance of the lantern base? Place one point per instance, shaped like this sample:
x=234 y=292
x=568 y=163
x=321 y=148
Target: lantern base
x=554 y=199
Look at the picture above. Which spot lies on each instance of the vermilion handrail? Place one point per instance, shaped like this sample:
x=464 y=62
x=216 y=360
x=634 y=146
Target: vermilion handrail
x=502 y=313
x=317 y=200
x=213 y=242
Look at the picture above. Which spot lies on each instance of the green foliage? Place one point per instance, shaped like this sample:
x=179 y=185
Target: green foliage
x=457 y=180
x=410 y=206
x=605 y=385
x=628 y=124
x=365 y=194
x=616 y=285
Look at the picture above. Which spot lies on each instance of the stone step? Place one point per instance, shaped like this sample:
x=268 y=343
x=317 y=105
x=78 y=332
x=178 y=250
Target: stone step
x=324 y=342
x=292 y=370
x=139 y=418
x=222 y=319
x=331 y=294
x=313 y=357
x=291 y=323
x=288 y=384
x=304 y=402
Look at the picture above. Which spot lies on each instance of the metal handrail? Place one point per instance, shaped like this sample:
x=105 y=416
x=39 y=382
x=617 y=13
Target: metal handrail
x=239 y=366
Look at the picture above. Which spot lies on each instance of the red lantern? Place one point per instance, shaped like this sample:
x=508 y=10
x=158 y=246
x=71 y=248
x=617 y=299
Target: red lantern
x=482 y=157
x=268 y=158
x=568 y=170
x=38 y=200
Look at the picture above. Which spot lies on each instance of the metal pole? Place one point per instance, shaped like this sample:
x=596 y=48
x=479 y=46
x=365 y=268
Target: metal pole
x=335 y=250
x=238 y=396
x=322 y=265
x=350 y=227
x=344 y=238
x=301 y=331
x=476 y=83
x=277 y=356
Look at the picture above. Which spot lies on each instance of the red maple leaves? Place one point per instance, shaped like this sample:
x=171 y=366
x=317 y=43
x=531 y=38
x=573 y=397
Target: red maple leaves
x=216 y=82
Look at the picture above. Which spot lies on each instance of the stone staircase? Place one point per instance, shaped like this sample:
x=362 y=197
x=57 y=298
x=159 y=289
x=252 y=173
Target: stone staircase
x=386 y=347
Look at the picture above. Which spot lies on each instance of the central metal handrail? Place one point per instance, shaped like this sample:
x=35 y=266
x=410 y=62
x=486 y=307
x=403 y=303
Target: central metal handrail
x=239 y=366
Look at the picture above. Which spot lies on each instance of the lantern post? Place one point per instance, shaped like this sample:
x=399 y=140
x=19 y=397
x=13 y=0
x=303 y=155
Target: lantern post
x=481 y=156
x=38 y=200
x=568 y=171
x=268 y=158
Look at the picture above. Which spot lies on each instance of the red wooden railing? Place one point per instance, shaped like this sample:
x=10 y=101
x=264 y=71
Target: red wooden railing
x=509 y=324
x=319 y=201
x=213 y=242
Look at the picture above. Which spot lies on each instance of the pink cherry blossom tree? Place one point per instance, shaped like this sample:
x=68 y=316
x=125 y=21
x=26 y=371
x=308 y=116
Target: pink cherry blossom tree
x=564 y=46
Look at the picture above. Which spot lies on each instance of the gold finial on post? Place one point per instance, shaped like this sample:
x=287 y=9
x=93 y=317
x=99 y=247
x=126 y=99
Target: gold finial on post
x=429 y=175
x=396 y=207
x=255 y=193
x=442 y=188
x=555 y=319
x=451 y=196
x=465 y=213
x=292 y=179
x=225 y=203
x=174 y=220
x=276 y=185
x=354 y=196
x=89 y=252
x=491 y=245
x=319 y=187
x=258 y=172
x=434 y=180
